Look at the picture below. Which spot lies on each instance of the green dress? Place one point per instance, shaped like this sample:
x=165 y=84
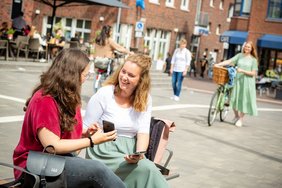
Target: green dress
x=144 y=174
x=243 y=97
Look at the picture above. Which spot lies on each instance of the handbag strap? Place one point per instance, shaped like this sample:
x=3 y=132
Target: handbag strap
x=36 y=178
x=43 y=181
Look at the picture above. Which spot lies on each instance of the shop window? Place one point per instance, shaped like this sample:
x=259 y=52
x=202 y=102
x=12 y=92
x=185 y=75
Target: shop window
x=274 y=9
x=123 y=36
x=184 y=5
x=157 y=41
x=70 y=27
x=242 y=7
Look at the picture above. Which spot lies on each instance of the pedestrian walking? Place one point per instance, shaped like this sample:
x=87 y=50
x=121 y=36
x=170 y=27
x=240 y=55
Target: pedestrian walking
x=193 y=66
x=179 y=66
x=167 y=64
x=204 y=63
x=243 y=98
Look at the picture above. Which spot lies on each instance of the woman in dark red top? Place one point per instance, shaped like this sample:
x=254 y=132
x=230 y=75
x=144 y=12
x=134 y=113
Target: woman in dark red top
x=53 y=117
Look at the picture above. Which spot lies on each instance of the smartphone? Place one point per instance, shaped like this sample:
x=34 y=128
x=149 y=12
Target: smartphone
x=138 y=153
x=108 y=126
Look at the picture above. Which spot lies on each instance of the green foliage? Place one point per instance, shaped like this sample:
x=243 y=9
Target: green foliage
x=10 y=31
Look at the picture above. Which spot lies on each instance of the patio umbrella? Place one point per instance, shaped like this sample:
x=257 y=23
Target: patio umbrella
x=60 y=3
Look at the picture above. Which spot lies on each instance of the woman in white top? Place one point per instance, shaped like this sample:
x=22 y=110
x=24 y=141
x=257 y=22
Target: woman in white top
x=125 y=101
x=179 y=66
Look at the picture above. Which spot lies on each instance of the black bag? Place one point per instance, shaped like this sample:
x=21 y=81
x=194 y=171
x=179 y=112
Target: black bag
x=49 y=167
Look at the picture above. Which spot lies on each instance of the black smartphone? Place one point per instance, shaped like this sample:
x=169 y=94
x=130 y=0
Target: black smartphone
x=108 y=126
x=138 y=153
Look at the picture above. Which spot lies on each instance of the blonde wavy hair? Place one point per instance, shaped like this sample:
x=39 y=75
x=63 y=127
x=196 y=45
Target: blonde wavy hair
x=139 y=97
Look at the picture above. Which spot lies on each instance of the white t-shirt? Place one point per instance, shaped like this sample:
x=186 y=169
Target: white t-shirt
x=180 y=59
x=128 y=122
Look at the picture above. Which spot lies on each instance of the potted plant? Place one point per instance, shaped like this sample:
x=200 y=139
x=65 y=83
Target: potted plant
x=10 y=33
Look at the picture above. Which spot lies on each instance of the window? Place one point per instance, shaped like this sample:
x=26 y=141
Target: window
x=274 y=9
x=154 y=1
x=230 y=12
x=70 y=27
x=218 y=29
x=169 y=3
x=123 y=36
x=242 y=7
x=209 y=27
x=184 y=5
x=211 y=3
x=221 y=4
x=158 y=42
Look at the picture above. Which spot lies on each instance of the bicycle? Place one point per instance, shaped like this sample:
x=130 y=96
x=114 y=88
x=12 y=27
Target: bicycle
x=221 y=97
x=101 y=74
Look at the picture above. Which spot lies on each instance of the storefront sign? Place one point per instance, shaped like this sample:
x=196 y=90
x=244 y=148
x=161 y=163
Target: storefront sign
x=198 y=30
x=224 y=38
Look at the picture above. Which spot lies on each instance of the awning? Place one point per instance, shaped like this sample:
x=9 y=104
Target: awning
x=111 y=3
x=270 y=41
x=233 y=37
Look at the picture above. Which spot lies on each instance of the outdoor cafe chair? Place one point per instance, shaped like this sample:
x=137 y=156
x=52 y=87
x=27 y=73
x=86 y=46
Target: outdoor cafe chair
x=4 y=47
x=34 y=46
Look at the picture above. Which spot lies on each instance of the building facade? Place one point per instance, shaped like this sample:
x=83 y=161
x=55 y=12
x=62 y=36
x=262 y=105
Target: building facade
x=216 y=28
x=261 y=23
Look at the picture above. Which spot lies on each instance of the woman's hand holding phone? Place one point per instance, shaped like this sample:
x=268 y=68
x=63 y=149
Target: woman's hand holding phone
x=101 y=137
x=135 y=157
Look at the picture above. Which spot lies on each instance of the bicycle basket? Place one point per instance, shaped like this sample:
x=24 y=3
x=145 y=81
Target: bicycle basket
x=101 y=62
x=220 y=75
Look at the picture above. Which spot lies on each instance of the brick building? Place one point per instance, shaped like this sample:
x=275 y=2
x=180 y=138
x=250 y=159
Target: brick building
x=260 y=22
x=216 y=28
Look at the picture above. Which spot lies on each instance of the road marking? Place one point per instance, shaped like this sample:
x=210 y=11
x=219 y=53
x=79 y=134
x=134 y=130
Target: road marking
x=13 y=98
x=9 y=119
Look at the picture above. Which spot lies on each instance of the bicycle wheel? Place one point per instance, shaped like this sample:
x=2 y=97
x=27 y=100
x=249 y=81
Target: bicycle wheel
x=225 y=107
x=213 y=109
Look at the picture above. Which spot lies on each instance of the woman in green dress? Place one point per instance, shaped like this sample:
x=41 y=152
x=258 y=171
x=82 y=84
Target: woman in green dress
x=243 y=99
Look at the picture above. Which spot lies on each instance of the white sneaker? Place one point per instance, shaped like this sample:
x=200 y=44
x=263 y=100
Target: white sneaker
x=239 y=123
x=176 y=98
x=234 y=120
x=172 y=98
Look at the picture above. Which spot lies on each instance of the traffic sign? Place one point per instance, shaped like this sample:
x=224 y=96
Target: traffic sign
x=139 y=26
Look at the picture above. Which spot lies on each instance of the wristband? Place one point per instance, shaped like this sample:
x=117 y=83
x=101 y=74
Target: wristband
x=91 y=142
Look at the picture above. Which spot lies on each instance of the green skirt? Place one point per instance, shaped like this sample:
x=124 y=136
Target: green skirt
x=144 y=174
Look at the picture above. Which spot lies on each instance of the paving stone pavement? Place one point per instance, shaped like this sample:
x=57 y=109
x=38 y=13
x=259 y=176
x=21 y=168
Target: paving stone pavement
x=218 y=156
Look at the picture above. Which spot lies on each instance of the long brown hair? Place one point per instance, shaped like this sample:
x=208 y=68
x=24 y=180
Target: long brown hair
x=253 y=51
x=141 y=93
x=63 y=82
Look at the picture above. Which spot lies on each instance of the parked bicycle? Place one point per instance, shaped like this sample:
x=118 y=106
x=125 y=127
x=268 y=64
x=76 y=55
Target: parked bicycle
x=106 y=67
x=221 y=97
x=101 y=73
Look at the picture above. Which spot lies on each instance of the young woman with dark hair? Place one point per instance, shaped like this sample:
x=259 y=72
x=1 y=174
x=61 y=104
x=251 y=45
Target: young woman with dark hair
x=53 y=117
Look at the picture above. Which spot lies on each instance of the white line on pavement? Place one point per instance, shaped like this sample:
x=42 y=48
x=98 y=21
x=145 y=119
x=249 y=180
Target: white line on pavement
x=13 y=98
x=9 y=119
